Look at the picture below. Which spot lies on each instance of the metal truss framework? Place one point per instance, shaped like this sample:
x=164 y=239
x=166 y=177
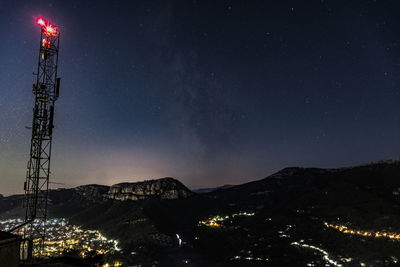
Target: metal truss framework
x=36 y=186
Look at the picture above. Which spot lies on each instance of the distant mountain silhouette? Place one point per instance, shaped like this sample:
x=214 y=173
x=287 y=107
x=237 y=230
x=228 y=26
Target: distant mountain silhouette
x=146 y=216
x=211 y=189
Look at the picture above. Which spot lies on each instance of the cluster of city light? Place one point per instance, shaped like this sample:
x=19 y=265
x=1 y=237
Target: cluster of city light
x=114 y=264
x=8 y=224
x=217 y=220
x=375 y=234
x=325 y=254
x=62 y=237
x=248 y=258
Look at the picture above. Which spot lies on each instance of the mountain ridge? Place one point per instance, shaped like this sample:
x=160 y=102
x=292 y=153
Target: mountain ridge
x=359 y=197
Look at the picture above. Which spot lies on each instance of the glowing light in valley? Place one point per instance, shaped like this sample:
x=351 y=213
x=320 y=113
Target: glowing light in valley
x=374 y=234
x=217 y=220
x=179 y=239
x=63 y=237
x=325 y=254
x=115 y=264
x=236 y=258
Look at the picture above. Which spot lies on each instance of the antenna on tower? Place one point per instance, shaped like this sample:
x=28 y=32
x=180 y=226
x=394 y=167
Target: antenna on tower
x=46 y=91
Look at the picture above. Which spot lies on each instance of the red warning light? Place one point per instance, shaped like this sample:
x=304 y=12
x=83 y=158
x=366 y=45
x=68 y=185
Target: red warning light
x=48 y=29
x=46 y=43
x=41 y=22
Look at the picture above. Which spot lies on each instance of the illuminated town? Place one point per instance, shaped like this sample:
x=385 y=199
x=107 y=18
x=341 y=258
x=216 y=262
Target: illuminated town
x=218 y=220
x=62 y=237
x=328 y=256
x=325 y=254
x=341 y=261
x=375 y=234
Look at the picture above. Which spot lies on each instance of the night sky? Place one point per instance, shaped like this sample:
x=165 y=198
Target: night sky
x=209 y=92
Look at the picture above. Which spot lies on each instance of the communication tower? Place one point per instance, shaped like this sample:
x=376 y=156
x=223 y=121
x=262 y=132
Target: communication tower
x=46 y=91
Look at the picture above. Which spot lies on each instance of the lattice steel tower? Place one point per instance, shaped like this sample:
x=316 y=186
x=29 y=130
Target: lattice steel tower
x=46 y=92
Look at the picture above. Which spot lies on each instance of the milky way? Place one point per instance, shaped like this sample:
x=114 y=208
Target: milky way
x=210 y=93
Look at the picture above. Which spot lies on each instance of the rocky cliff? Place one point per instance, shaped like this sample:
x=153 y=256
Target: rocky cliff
x=91 y=192
x=165 y=188
x=86 y=195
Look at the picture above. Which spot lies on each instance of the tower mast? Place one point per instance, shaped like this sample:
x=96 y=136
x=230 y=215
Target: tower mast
x=46 y=92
